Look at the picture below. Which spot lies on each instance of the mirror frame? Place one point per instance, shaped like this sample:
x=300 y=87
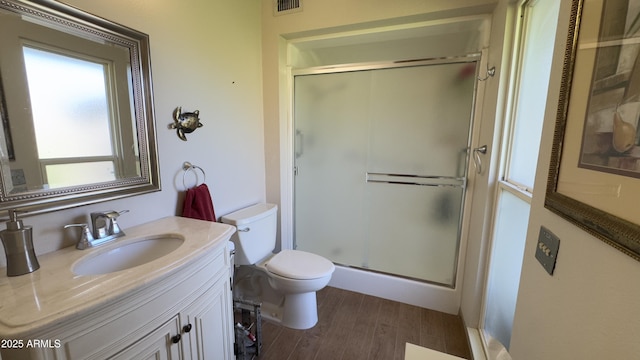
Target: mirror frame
x=74 y=21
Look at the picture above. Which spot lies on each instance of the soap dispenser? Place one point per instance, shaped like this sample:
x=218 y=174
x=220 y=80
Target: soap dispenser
x=18 y=246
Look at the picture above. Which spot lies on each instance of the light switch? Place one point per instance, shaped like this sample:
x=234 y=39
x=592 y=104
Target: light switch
x=547 y=249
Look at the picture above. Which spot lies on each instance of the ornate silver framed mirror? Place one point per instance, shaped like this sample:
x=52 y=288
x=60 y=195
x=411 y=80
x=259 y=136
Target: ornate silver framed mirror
x=76 y=107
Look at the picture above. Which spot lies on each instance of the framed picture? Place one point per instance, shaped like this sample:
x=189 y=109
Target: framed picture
x=594 y=177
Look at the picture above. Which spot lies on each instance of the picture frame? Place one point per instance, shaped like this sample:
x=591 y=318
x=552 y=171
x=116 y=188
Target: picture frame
x=594 y=174
x=6 y=129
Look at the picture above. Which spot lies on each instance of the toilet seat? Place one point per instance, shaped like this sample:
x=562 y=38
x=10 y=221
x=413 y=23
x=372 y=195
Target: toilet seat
x=300 y=265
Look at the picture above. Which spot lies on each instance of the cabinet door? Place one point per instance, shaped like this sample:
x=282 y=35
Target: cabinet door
x=208 y=324
x=160 y=344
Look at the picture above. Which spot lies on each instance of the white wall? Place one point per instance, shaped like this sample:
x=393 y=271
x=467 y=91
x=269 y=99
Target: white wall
x=590 y=307
x=205 y=55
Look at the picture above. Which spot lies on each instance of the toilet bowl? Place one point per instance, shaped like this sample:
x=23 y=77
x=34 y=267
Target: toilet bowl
x=292 y=277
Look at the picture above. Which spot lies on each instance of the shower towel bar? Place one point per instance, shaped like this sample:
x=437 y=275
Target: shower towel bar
x=435 y=181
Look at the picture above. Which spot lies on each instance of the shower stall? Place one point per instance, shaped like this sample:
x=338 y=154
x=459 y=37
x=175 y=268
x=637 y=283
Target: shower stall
x=381 y=157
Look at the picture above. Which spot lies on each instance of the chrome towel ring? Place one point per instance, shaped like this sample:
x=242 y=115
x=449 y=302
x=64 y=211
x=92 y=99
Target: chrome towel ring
x=188 y=167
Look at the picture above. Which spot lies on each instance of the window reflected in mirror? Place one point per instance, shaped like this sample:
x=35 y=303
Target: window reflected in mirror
x=69 y=100
x=76 y=125
x=76 y=108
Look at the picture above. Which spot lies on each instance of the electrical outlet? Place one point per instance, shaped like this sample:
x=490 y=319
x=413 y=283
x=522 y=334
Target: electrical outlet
x=547 y=249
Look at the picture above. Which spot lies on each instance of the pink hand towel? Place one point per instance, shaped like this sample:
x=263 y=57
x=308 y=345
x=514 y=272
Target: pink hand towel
x=198 y=204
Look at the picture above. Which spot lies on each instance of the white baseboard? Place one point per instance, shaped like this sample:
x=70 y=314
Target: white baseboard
x=389 y=287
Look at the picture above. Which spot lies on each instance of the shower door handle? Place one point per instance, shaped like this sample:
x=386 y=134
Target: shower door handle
x=299 y=143
x=477 y=161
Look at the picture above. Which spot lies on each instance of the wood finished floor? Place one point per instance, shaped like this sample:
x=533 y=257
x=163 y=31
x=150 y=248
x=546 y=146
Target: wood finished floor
x=355 y=326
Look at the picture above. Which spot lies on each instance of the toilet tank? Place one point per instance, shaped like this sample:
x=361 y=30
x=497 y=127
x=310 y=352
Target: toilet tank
x=255 y=237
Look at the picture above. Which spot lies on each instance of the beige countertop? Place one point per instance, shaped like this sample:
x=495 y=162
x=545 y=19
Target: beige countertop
x=54 y=293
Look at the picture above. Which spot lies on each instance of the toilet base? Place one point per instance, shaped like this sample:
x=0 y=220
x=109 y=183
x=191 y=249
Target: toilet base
x=300 y=311
x=296 y=311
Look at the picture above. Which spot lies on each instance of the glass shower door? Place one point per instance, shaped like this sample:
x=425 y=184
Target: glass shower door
x=331 y=115
x=381 y=159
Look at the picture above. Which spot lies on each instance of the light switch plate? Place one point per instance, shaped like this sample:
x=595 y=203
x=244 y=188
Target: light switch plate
x=547 y=249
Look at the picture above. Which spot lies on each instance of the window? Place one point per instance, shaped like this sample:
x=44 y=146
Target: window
x=527 y=102
x=530 y=91
x=70 y=97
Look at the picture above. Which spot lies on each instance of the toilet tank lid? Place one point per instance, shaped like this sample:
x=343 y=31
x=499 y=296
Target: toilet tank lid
x=249 y=214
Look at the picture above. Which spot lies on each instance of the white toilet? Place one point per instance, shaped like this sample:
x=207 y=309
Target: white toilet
x=285 y=283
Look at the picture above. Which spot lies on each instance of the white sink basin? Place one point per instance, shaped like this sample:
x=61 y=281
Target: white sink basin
x=127 y=255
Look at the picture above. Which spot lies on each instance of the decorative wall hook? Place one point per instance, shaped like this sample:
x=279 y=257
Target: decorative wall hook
x=185 y=123
x=491 y=72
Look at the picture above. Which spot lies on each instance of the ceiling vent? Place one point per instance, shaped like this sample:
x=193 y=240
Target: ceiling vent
x=281 y=7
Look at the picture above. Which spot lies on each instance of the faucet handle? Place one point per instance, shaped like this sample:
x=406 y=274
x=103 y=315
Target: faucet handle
x=86 y=239
x=114 y=214
x=114 y=227
x=105 y=225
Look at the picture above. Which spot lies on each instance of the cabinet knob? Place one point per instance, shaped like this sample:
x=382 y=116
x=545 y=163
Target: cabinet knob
x=176 y=339
x=187 y=328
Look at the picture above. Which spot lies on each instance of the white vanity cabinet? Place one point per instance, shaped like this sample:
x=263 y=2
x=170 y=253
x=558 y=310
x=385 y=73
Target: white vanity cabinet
x=156 y=345
x=209 y=330
x=189 y=318
x=200 y=331
x=186 y=314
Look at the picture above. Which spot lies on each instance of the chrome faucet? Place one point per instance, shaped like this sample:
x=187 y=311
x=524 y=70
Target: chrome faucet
x=105 y=225
x=105 y=228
